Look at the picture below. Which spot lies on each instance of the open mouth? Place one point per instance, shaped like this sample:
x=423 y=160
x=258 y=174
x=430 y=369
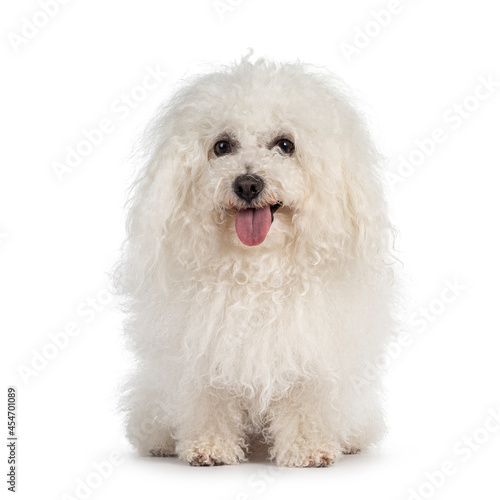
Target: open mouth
x=253 y=224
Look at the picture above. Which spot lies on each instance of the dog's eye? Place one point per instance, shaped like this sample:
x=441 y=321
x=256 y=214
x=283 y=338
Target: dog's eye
x=287 y=146
x=222 y=148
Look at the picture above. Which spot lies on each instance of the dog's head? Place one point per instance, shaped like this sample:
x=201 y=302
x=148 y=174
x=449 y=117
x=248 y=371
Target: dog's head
x=260 y=157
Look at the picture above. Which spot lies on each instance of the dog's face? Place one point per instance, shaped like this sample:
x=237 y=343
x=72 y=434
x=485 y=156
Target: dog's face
x=261 y=143
x=254 y=174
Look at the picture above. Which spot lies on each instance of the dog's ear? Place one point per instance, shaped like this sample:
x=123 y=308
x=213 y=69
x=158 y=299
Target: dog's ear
x=155 y=201
x=345 y=210
x=360 y=194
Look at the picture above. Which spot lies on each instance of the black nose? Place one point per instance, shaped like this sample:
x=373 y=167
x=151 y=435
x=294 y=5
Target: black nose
x=248 y=186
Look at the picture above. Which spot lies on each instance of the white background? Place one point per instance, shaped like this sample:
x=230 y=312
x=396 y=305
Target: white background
x=59 y=237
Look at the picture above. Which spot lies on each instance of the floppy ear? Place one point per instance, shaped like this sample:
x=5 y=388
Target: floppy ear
x=361 y=196
x=344 y=211
x=153 y=205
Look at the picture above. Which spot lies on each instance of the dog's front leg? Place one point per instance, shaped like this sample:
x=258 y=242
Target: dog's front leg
x=301 y=430
x=211 y=430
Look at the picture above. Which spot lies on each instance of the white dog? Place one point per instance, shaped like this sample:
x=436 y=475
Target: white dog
x=256 y=272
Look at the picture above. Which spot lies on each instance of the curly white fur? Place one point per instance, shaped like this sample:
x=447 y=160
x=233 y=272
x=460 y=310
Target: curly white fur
x=233 y=339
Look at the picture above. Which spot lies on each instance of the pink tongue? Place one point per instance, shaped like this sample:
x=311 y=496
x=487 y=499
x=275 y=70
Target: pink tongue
x=252 y=225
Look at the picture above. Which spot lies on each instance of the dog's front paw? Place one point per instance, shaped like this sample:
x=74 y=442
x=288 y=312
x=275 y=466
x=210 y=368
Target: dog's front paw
x=207 y=454
x=300 y=456
x=199 y=458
